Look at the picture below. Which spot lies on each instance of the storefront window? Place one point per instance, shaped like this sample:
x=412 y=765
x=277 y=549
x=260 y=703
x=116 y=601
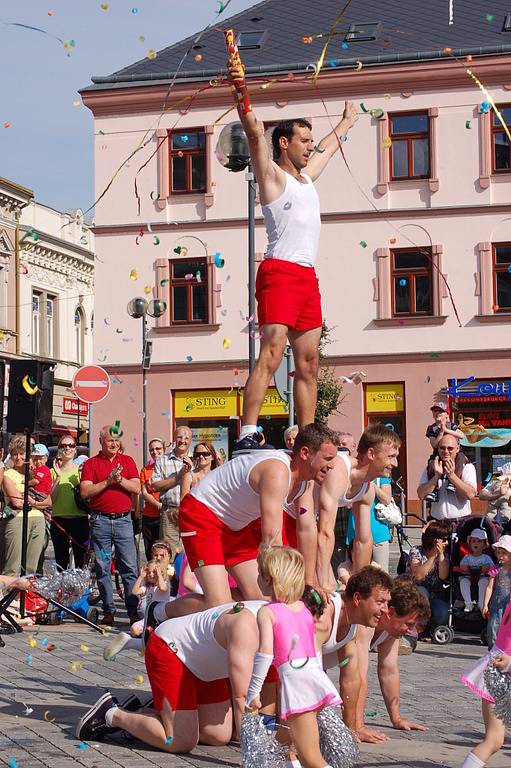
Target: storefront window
x=385 y=404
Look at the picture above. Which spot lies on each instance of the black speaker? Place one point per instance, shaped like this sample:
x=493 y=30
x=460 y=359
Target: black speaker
x=30 y=402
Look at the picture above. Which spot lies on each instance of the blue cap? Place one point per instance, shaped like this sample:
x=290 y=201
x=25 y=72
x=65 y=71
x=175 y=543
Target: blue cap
x=39 y=450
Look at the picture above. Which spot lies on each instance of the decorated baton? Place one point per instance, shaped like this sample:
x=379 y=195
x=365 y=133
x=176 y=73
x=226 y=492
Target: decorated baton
x=239 y=86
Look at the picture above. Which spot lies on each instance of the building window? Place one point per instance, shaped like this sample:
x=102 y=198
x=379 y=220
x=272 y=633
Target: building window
x=412 y=292
x=502 y=277
x=500 y=141
x=409 y=148
x=188 y=291
x=368 y=30
x=36 y=323
x=250 y=41
x=44 y=324
x=79 y=335
x=187 y=162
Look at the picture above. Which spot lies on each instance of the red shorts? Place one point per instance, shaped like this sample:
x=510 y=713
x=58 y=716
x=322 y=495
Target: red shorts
x=288 y=293
x=208 y=541
x=289 y=538
x=171 y=680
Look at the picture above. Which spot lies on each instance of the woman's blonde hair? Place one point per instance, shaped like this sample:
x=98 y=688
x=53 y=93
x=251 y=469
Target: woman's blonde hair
x=284 y=568
x=17 y=445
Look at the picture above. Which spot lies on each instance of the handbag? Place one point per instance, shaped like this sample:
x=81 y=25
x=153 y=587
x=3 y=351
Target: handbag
x=388 y=513
x=80 y=502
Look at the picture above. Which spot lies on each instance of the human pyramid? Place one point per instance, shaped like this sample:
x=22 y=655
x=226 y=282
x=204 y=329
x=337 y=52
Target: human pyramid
x=251 y=659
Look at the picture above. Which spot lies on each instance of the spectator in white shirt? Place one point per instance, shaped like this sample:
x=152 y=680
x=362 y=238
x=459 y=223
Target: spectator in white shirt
x=451 y=504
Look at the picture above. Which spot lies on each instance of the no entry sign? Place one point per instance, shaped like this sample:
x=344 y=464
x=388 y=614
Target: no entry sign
x=91 y=383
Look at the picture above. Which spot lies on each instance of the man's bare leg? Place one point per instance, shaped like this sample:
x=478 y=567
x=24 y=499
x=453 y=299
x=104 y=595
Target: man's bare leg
x=305 y=346
x=215 y=585
x=180 y=729
x=273 y=343
x=245 y=575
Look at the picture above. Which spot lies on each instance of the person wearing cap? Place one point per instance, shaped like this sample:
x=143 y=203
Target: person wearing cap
x=498 y=591
x=441 y=425
x=498 y=495
x=41 y=482
x=475 y=565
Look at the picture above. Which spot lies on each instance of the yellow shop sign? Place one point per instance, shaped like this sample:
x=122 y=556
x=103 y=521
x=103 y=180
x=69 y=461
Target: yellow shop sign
x=385 y=398
x=272 y=405
x=201 y=403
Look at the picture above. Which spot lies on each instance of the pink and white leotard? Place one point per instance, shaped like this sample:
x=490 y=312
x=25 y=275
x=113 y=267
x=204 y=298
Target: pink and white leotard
x=303 y=685
x=474 y=677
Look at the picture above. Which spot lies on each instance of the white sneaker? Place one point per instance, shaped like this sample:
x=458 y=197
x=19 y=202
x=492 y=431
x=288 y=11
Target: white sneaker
x=115 y=646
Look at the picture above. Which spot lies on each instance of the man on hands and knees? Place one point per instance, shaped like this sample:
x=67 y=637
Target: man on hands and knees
x=407 y=609
x=224 y=519
x=287 y=291
x=196 y=664
x=350 y=484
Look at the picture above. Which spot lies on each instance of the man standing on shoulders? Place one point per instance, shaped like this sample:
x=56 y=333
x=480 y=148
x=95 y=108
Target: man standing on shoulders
x=108 y=481
x=287 y=290
x=168 y=473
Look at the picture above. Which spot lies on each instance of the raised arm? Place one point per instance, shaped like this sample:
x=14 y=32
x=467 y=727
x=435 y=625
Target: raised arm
x=270 y=178
x=328 y=146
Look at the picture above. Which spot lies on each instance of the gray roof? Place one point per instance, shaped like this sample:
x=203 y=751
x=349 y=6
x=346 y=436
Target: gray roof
x=410 y=30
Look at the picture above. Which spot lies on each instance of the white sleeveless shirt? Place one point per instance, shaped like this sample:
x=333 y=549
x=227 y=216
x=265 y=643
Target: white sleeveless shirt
x=293 y=223
x=332 y=645
x=227 y=492
x=193 y=641
x=344 y=501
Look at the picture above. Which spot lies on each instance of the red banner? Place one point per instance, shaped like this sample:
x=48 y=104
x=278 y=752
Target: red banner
x=70 y=405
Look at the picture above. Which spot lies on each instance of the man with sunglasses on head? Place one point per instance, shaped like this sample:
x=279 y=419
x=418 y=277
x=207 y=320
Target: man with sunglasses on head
x=108 y=482
x=454 y=492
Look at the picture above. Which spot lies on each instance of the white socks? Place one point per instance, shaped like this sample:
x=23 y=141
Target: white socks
x=109 y=715
x=159 y=613
x=247 y=429
x=472 y=761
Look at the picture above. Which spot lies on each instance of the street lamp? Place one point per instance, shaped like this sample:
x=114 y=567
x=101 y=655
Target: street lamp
x=232 y=152
x=140 y=308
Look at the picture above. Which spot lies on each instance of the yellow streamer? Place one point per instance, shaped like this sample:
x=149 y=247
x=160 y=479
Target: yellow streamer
x=333 y=28
x=490 y=100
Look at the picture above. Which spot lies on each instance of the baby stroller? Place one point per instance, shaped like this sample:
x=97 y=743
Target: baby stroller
x=460 y=621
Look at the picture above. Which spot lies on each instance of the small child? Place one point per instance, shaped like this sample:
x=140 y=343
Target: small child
x=498 y=591
x=286 y=628
x=434 y=432
x=153 y=583
x=41 y=482
x=478 y=564
x=499 y=656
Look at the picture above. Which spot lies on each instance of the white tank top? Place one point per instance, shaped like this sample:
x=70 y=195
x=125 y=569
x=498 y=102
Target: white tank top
x=293 y=223
x=332 y=645
x=226 y=491
x=193 y=641
x=291 y=506
x=344 y=501
x=379 y=640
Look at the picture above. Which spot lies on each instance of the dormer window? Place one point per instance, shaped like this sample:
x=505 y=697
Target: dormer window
x=250 y=41
x=363 y=32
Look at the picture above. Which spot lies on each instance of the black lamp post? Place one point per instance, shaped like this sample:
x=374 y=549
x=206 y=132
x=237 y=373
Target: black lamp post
x=140 y=308
x=233 y=153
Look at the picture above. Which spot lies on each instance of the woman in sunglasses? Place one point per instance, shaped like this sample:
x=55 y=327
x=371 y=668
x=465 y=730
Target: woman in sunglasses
x=205 y=458
x=69 y=524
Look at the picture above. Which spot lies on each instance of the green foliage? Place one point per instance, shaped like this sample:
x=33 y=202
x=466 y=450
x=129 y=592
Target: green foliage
x=329 y=387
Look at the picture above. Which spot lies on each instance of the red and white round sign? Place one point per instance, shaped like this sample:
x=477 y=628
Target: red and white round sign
x=91 y=383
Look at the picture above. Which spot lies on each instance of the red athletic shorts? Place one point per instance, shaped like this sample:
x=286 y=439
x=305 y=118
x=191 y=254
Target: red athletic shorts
x=208 y=541
x=288 y=293
x=289 y=538
x=171 y=680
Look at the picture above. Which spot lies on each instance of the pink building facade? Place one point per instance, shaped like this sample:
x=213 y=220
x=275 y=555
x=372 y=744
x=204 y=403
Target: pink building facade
x=416 y=233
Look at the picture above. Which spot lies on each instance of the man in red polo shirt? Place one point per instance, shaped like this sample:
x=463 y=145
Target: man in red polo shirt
x=108 y=481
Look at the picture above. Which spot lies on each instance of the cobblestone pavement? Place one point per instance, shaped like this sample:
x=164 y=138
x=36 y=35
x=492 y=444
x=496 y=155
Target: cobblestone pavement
x=54 y=686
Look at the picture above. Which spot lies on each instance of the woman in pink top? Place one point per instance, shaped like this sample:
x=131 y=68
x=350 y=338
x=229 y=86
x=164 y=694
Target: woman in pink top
x=286 y=629
x=500 y=657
